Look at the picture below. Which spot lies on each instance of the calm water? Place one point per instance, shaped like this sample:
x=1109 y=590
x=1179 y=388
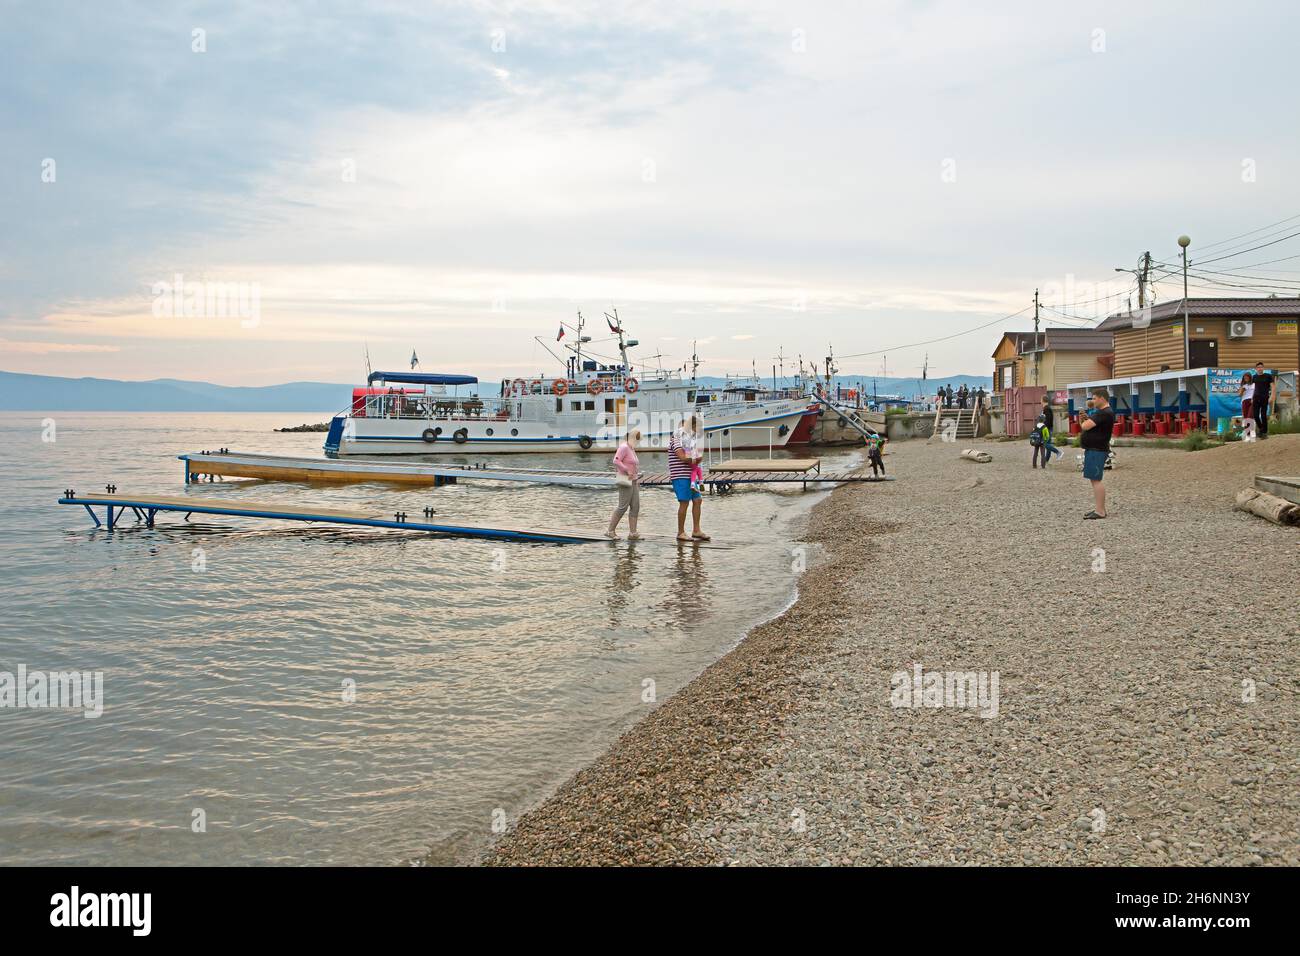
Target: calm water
x=485 y=673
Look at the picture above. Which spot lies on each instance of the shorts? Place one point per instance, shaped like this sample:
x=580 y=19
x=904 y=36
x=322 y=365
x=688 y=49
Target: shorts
x=683 y=490
x=1094 y=464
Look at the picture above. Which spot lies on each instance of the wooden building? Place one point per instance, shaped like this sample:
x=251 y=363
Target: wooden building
x=1050 y=359
x=1219 y=333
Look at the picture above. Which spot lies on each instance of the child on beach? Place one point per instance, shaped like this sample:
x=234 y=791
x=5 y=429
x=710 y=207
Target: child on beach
x=875 y=453
x=1041 y=440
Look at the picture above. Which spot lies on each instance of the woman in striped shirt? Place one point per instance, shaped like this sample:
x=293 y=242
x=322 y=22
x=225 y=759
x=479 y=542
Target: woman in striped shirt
x=680 y=464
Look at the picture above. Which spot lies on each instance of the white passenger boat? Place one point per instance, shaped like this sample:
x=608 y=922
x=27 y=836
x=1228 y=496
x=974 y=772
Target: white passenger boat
x=591 y=406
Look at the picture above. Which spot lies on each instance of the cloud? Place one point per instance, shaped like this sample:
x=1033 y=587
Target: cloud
x=461 y=176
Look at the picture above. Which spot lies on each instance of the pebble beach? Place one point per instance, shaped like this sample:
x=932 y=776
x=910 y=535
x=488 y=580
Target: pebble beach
x=1147 y=671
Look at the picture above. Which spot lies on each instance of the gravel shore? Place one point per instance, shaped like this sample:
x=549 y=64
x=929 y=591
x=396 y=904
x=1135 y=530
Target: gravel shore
x=1147 y=667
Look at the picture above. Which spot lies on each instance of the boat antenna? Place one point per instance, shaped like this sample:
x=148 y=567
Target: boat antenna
x=369 y=370
x=695 y=359
x=622 y=341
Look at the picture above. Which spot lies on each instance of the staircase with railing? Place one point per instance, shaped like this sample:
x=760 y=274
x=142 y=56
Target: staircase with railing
x=961 y=423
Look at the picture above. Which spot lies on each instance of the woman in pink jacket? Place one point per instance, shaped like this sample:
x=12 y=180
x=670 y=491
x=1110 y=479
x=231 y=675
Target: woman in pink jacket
x=629 y=486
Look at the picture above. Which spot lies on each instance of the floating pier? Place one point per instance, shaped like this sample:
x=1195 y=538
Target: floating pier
x=146 y=507
x=721 y=477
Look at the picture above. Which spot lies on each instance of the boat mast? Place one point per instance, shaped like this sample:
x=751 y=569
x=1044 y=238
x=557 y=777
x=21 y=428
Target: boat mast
x=622 y=342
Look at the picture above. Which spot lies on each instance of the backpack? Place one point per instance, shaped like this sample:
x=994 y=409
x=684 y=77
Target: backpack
x=1036 y=436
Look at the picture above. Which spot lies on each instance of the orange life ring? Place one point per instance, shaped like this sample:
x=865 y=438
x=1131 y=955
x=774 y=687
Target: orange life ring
x=540 y=388
x=560 y=386
x=595 y=386
x=630 y=386
x=519 y=387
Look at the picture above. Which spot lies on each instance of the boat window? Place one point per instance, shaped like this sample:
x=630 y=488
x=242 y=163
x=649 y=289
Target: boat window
x=690 y=397
x=609 y=404
x=489 y=431
x=591 y=406
x=631 y=403
x=577 y=406
x=559 y=404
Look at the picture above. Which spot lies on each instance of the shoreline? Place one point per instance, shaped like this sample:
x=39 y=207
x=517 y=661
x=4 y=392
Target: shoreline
x=1129 y=713
x=664 y=770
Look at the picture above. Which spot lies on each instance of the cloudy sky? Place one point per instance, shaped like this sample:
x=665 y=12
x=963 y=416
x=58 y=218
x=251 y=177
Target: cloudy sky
x=761 y=177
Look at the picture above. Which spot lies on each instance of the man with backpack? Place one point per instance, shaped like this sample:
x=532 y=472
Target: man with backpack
x=1041 y=437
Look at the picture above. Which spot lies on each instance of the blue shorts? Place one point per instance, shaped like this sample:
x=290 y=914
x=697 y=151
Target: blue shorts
x=683 y=490
x=1094 y=464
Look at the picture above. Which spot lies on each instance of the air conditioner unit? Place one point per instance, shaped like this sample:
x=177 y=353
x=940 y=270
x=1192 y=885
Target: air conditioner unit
x=1241 y=329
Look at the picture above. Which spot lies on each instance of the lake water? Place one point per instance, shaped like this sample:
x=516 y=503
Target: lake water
x=484 y=673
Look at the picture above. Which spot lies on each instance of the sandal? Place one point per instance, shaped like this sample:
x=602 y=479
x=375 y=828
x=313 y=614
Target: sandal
x=701 y=537
x=1093 y=515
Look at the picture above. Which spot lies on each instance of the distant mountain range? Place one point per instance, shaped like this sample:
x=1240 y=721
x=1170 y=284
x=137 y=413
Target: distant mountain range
x=51 y=393
x=20 y=392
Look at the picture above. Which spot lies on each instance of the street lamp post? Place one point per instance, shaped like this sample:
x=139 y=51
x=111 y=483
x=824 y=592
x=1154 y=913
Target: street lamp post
x=1184 y=242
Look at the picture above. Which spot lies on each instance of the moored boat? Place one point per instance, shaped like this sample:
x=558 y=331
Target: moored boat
x=591 y=407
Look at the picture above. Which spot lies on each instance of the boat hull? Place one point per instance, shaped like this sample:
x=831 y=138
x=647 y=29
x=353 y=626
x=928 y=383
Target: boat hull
x=771 y=428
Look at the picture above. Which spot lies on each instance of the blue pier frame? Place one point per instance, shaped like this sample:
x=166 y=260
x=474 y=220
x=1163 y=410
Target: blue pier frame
x=145 y=510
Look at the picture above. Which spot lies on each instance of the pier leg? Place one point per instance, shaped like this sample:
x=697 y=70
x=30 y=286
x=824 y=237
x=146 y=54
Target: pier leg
x=186 y=465
x=110 y=517
x=149 y=518
x=93 y=517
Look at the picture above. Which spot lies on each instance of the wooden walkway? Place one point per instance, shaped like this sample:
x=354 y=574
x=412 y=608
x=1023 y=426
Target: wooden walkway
x=146 y=507
x=722 y=477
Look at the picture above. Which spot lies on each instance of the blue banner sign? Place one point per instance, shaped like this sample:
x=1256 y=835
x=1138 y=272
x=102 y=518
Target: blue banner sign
x=1224 y=400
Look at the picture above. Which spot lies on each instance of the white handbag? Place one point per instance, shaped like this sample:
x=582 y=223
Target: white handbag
x=623 y=481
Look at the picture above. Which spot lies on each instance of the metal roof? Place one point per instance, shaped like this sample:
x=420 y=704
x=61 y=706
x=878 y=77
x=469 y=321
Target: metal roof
x=1207 y=309
x=1062 y=340
x=421 y=378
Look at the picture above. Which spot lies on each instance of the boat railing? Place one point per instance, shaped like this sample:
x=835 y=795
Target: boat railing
x=437 y=407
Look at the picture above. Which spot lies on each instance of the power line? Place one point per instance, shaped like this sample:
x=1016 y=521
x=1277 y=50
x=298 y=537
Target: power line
x=1231 y=255
x=1250 y=233
x=945 y=338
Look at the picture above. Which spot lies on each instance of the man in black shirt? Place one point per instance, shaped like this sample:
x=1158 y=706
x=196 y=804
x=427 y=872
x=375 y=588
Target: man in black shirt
x=1263 y=396
x=1096 y=430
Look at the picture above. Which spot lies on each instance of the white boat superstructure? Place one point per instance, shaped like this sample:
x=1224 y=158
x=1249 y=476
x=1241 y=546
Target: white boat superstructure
x=592 y=406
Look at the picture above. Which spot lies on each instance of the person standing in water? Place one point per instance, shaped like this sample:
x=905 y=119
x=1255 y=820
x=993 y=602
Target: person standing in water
x=629 y=487
x=680 y=465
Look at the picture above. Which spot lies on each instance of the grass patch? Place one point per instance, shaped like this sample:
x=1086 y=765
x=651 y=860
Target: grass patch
x=1194 y=441
x=1285 y=426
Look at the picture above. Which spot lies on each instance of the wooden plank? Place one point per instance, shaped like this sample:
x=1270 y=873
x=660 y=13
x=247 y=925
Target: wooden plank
x=767 y=464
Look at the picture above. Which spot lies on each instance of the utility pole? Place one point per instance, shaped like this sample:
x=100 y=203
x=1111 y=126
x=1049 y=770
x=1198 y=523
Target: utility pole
x=1037 y=353
x=1143 y=273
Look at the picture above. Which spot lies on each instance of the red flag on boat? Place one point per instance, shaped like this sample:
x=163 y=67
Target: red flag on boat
x=613 y=326
x=561 y=335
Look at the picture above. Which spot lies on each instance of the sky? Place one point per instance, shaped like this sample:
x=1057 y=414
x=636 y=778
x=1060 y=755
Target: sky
x=251 y=194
